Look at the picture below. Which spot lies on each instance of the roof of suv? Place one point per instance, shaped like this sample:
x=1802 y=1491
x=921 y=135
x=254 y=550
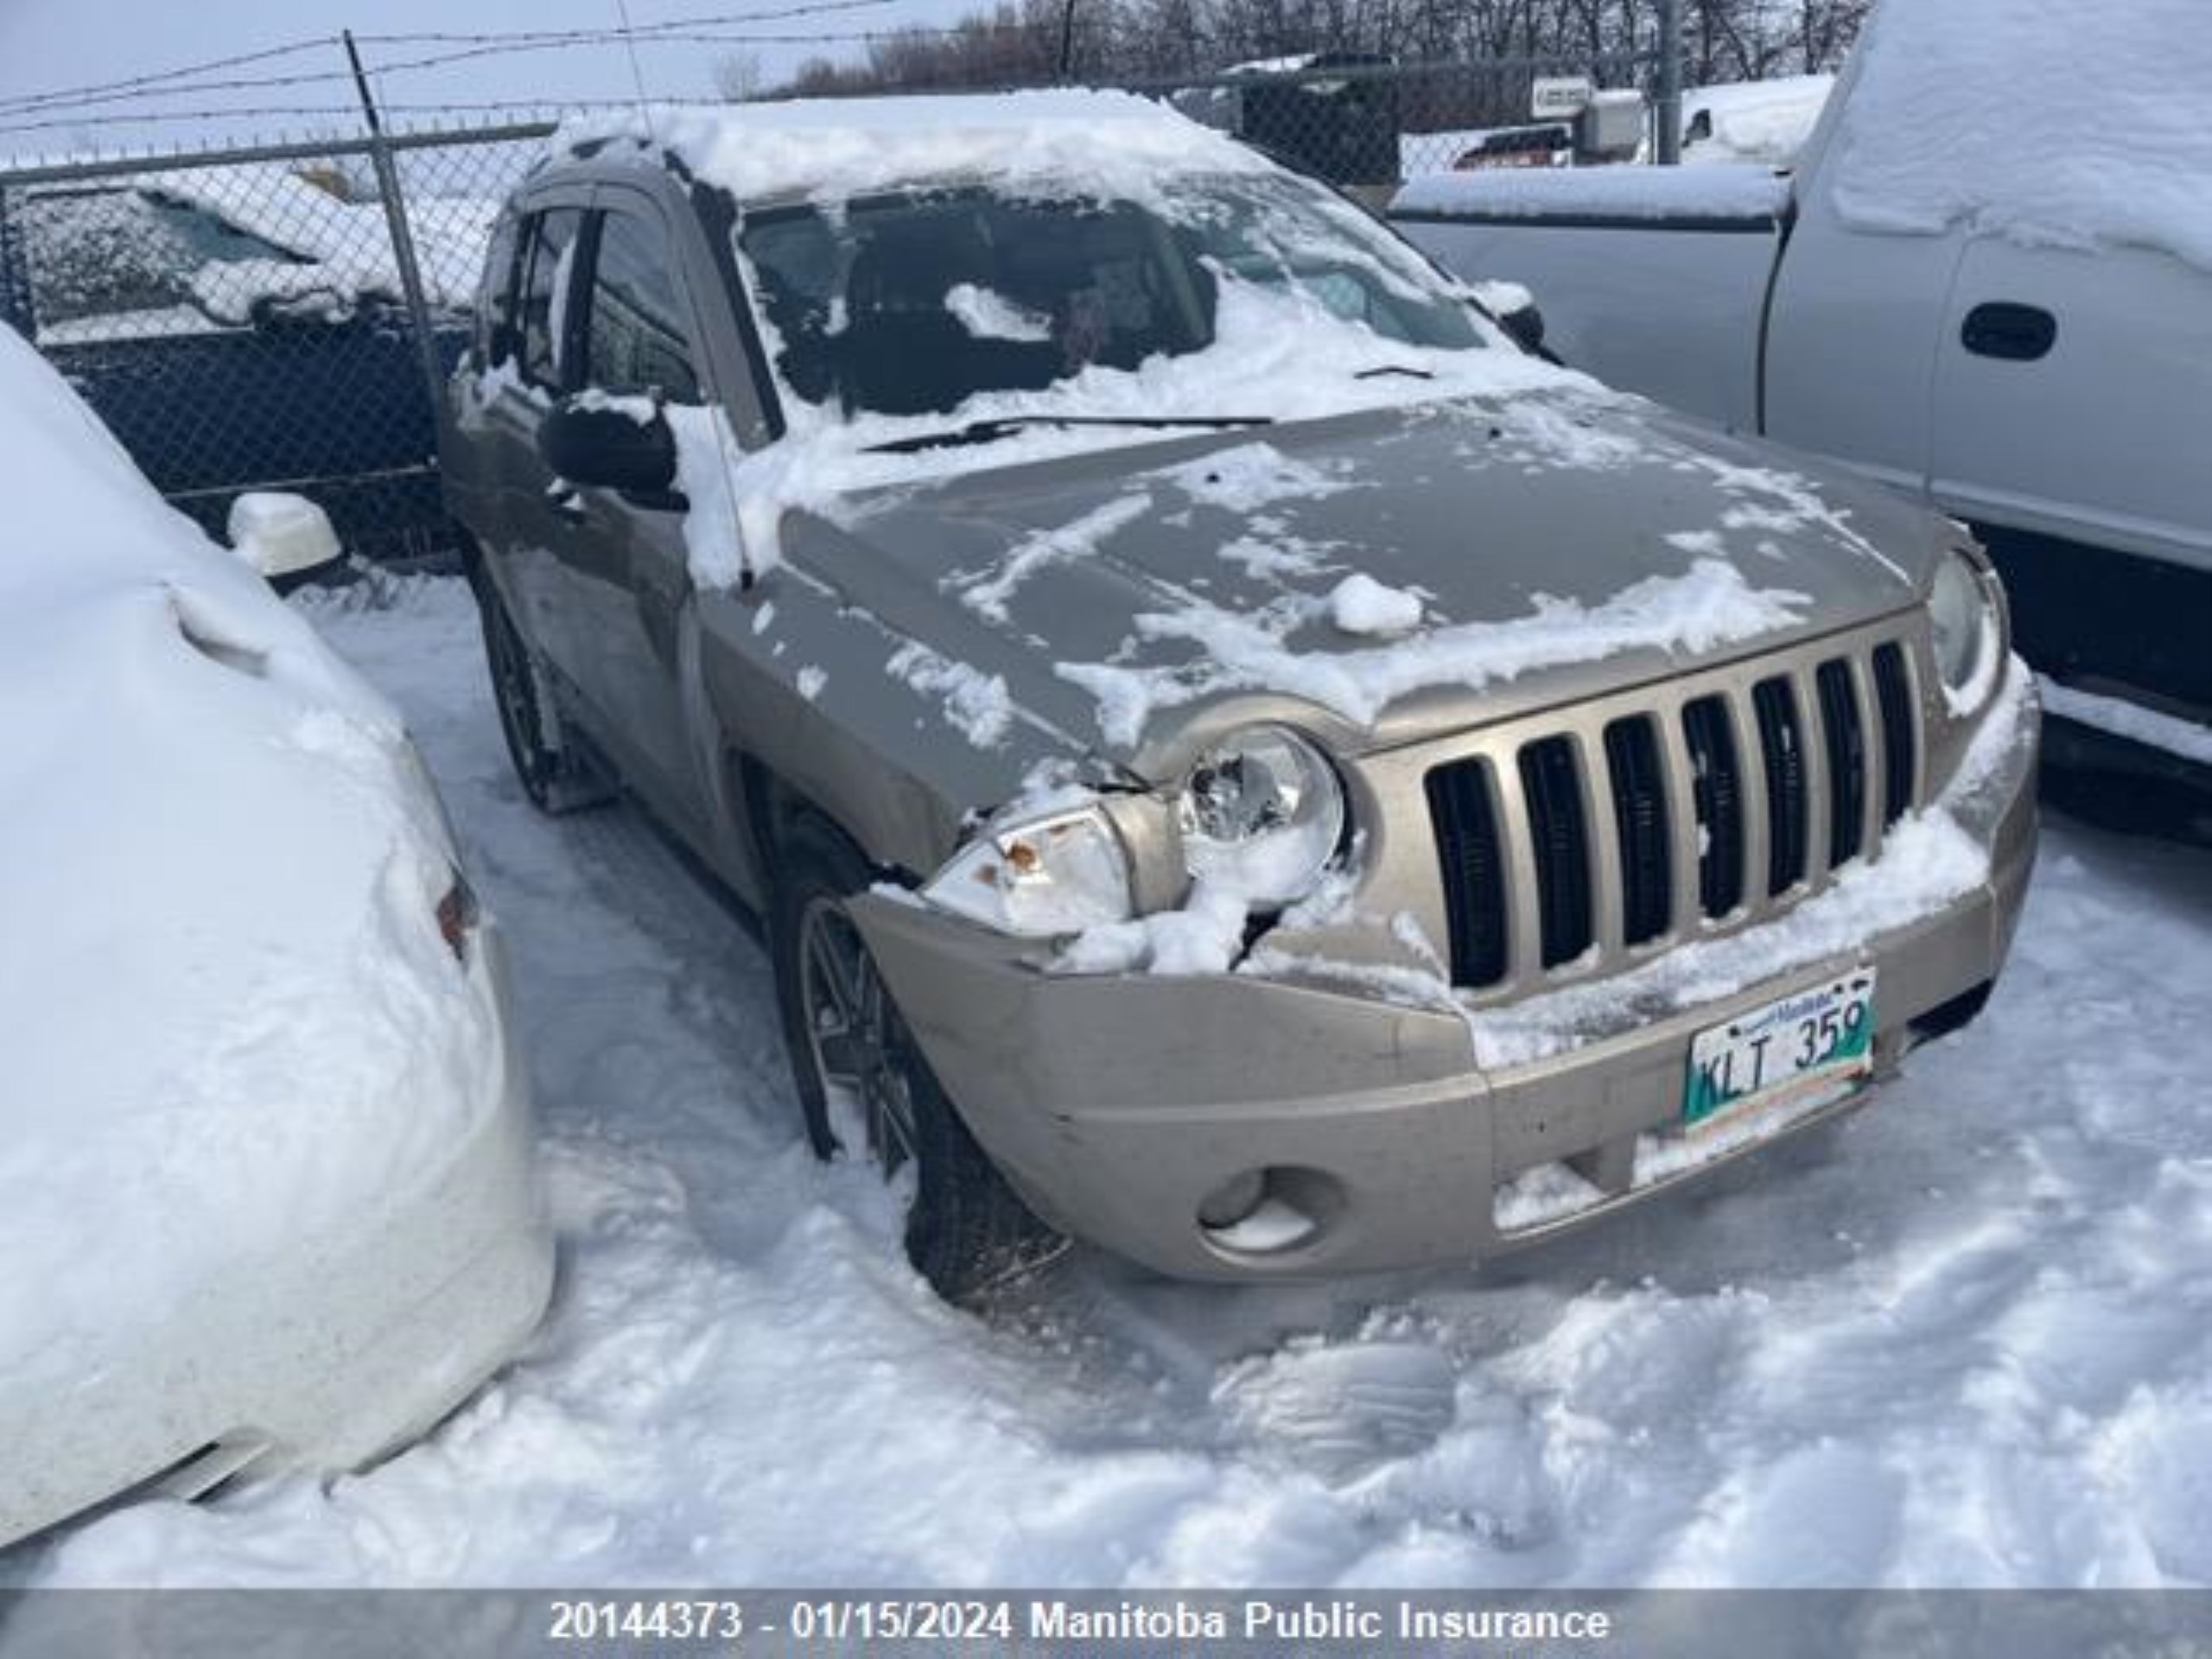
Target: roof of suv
x=1102 y=143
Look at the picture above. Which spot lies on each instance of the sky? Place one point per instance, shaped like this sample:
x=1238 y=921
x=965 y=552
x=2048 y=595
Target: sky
x=54 y=46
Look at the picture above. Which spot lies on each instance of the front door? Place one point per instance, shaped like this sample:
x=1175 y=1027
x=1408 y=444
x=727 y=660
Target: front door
x=627 y=554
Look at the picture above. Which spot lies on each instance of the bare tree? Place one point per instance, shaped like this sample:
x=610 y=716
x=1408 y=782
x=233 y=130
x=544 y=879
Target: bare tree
x=741 y=77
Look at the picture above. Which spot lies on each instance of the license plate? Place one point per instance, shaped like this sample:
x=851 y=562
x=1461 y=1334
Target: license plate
x=1808 y=1040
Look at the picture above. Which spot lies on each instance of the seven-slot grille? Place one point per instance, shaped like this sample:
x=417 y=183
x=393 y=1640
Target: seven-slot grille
x=1763 y=792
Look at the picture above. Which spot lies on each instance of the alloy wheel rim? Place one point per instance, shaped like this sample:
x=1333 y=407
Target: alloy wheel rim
x=858 y=1043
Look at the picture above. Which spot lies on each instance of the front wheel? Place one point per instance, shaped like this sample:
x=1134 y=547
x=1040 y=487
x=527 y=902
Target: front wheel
x=554 y=774
x=867 y=1091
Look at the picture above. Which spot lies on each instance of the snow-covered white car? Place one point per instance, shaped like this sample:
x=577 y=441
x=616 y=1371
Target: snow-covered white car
x=266 y=1189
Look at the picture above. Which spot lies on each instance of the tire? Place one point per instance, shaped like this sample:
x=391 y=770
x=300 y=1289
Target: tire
x=555 y=776
x=966 y=1230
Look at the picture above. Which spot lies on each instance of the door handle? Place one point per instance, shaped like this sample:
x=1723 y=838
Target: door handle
x=2013 y=332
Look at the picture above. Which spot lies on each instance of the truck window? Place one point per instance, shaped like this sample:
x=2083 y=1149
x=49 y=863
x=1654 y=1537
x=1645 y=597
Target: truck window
x=546 y=286
x=636 y=337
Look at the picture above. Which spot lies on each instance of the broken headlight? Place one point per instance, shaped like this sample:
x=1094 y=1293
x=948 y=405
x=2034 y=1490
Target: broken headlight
x=1261 y=815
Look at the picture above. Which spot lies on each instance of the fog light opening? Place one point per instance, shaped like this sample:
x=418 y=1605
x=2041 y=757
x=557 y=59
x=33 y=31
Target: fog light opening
x=1266 y=1212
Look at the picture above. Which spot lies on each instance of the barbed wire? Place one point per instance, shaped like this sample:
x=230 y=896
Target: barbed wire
x=137 y=81
x=711 y=29
x=267 y=83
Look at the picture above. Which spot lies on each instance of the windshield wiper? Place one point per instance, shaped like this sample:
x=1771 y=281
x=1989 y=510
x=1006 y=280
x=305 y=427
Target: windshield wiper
x=1406 y=369
x=1001 y=426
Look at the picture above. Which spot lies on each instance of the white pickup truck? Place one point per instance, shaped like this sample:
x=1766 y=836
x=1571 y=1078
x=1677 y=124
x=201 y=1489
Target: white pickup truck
x=1987 y=281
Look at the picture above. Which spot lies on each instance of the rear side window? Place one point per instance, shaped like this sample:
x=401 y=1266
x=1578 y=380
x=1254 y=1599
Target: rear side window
x=546 y=286
x=495 y=312
x=637 y=336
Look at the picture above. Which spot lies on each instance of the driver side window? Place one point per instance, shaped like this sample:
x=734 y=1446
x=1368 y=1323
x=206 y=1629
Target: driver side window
x=637 y=337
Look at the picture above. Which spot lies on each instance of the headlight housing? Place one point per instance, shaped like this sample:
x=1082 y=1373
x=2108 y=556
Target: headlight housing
x=1052 y=872
x=1262 y=814
x=1963 y=625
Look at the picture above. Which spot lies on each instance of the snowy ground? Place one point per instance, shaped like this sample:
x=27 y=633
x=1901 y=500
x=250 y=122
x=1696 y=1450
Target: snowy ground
x=1963 y=1338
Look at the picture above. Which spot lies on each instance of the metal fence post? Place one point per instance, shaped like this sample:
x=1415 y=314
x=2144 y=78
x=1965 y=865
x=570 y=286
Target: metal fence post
x=403 y=241
x=1670 y=113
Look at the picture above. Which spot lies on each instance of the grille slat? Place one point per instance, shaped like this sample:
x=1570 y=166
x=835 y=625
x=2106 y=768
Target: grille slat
x=1547 y=860
x=1781 y=749
x=1845 y=738
x=1560 y=838
x=1640 y=829
x=1718 y=788
x=1463 y=813
x=1900 y=748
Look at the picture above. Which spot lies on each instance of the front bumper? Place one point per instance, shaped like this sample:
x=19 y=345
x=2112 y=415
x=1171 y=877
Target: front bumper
x=1117 y=1104
x=326 y=1354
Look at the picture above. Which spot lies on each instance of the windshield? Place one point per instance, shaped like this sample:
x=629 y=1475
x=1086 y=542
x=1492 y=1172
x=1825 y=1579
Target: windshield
x=913 y=303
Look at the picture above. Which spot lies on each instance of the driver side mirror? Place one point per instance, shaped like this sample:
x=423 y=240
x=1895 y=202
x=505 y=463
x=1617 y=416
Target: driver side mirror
x=611 y=444
x=1526 y=327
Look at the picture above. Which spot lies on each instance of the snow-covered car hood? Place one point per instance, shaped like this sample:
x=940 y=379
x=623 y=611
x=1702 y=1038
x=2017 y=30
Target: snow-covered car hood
x=1380 y=566
x=230 y=1023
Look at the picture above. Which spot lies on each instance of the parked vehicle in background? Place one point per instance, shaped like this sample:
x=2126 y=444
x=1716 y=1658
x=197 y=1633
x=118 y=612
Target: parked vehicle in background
x=241 y=328
x=1765 y=122
x=1989 y=282
x=1241 y=762
x=266 y=1188
x=1341 y=126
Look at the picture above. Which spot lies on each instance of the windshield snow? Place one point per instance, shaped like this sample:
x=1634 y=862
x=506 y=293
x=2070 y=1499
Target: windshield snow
x=913 y=302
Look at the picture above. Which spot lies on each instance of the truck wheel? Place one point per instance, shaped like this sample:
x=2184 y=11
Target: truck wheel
x=866 y=1089
x=555 y=776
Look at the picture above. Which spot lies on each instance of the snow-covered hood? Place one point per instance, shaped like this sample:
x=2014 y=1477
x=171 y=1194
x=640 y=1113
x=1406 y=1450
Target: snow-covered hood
x=230 y=1022
x=1384 y=567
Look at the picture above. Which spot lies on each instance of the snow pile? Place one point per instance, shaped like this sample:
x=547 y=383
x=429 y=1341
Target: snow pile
x=1106 y=146
x=230 y=1018
x=1359 y=604
x=1726 y=191
x=2032 y=120
x=988 y=315
x=1708 y=605
x=1962 y=1338
x=1761 y=121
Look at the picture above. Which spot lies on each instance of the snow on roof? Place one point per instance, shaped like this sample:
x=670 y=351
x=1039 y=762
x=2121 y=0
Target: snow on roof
x=1095 y=142
x=2039 y=120
x=1741 y=190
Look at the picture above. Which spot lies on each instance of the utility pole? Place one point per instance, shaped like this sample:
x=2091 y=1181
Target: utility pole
x=1067 y=39
x=403 y=239
x=1669 y=115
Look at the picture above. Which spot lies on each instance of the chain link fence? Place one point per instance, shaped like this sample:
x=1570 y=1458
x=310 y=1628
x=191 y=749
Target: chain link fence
x=241 y=320
x=275 y=316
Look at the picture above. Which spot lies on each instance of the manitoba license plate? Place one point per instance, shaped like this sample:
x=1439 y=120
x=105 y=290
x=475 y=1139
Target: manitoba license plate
x=1811 y=1040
